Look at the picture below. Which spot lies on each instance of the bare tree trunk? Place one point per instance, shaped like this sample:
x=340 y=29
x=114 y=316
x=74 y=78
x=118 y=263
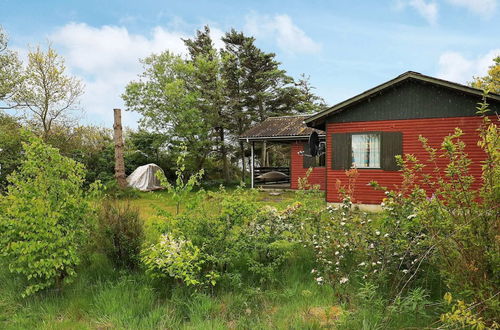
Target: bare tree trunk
x=263 y=155
x=119 y=162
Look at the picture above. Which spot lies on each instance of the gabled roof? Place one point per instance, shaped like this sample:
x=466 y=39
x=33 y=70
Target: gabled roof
x=318 y=118
x=280 y=128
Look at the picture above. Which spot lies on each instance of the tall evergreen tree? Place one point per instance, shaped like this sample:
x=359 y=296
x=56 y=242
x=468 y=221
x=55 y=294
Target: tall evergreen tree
x=257 y=88
x=210 y=86
x=213 y=96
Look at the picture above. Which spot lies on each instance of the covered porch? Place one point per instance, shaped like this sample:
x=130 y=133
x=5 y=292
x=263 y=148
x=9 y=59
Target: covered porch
x=276 y=151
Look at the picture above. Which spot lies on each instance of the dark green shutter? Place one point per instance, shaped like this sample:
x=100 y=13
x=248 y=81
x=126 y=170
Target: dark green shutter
x=392 y=145
x=341 y=151
x=308 y=161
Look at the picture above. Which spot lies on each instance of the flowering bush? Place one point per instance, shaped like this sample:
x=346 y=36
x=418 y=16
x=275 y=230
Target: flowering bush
x=450 y=226
x=175 y=258
x=238 y=241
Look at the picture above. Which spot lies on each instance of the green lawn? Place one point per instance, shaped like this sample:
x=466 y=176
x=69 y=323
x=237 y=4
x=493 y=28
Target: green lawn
x=150 y=202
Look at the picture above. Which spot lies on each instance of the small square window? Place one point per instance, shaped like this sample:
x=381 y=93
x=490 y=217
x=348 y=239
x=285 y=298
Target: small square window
x=365 y=150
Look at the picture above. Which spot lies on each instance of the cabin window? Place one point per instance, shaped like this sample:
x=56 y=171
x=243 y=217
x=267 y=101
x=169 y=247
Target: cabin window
x=365 y=149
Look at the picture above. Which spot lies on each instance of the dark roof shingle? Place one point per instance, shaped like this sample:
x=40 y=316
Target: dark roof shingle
x=283 y=128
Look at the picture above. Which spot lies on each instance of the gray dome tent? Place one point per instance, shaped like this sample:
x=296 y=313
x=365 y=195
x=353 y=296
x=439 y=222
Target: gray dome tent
x=144 y=178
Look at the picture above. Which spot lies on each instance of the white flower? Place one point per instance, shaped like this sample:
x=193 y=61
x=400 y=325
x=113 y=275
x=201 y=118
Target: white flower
x=313 y=271
x=405 y=271
x=377 y=233
x=386 y=235
x=411 y=216
x=344 y=280
x=371 y=246
x=337 y=263
x=319 y=280
x=337 y=253
x=342 y=223
x=374 y=264
x=362 y=264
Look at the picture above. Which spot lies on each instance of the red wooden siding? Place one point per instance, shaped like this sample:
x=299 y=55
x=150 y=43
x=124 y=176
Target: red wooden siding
x=297 y=170
x=433 y=129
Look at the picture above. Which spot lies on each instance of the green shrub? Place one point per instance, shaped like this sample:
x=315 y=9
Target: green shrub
x=120 y=233
x=113 y=191
x=183 y=186
x=236 y=239
x=453 y=227
x=174 y=258
x=43 y=218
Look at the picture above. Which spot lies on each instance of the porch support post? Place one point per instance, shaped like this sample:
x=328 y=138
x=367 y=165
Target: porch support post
x=252 y=164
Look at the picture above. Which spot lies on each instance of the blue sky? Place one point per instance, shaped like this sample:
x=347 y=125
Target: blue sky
x=345 y=47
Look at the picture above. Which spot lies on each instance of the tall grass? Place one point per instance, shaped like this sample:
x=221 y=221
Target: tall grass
x=105 y=298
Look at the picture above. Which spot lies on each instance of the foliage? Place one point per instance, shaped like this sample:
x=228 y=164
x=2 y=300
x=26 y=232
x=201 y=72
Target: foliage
x=208 y=99
x=48 y=95
x=491 y=82
x=182 y=187
x=169 y=104
x=44 y=216
x=10 y=147
x=144 y=147
x=462 y=315
x=238 y=241
x=120 y=233
x=452 y=226
x=10 y=72
x=176 y=258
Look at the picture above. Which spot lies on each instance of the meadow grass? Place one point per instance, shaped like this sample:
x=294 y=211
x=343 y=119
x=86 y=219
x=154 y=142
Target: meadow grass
x=102 y=297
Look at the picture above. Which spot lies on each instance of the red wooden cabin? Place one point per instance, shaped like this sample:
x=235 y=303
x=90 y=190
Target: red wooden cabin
x=368 y=130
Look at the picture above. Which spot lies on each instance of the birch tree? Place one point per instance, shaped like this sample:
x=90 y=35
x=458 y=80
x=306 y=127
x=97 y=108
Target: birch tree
x=47 y=94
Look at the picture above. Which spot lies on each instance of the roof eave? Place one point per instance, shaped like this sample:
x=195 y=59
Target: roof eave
x=277 y=138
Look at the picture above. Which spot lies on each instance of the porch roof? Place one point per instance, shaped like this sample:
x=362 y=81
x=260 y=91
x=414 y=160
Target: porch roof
x=283 y=128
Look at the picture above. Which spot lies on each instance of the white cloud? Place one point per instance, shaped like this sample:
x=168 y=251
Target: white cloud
x=289 y=37
x=455 y=67
x=428 y=10
x=484 y=8
x=107 y=58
